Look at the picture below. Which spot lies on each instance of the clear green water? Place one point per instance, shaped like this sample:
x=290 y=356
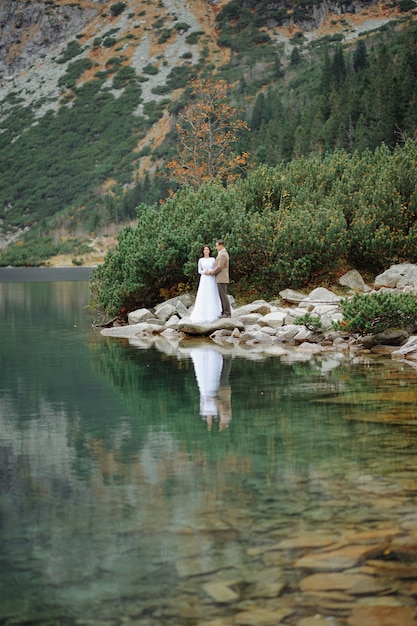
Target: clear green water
x=119 y=502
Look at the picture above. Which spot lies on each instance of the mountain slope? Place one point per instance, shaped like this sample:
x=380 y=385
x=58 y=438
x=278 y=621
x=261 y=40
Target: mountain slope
x=89 y=90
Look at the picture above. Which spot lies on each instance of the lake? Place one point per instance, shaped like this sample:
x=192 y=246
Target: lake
x=161 y=485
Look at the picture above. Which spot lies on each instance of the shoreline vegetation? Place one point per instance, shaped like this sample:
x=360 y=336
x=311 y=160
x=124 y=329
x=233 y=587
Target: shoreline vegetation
x=301 y=223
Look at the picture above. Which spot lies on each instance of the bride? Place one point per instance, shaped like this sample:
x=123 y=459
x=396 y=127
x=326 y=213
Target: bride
x=207 y=306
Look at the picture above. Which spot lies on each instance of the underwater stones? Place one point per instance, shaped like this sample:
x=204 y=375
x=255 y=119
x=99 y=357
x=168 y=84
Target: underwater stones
x=258 y=616
x=382 y=616
x=305 y=541
x=221 y=592
x=264 y=589
x=318 y=620
x=354 y=584
x=343 y=558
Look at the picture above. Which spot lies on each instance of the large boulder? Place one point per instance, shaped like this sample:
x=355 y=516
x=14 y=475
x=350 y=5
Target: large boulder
x=139 y=315
x=397 y=277
x=354 y=281
x=391 y=337
x=322 y=295
x=165 y=311
x=275 y=319
x=292 y=296
x=408 y=350
x=261 y=307
x=204 y=330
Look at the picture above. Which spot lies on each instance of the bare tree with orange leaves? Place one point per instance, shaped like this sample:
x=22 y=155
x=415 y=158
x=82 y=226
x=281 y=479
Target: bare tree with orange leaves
x=207 y=128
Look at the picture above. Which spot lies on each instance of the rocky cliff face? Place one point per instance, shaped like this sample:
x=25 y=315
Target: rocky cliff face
x=30 y=29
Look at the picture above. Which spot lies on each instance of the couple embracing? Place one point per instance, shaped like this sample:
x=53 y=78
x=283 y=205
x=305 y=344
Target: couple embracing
x=211 y=301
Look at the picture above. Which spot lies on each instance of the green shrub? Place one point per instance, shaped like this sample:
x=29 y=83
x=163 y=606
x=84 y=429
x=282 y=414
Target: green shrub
x=165 y=35
x=74 y=71
x=72 y=50
x=125 y=76
x=150 y=69
x=193 y=37
x=311 y=322
x=376 y=312
x=182 y=26
x=117 y=9
x=109 y=42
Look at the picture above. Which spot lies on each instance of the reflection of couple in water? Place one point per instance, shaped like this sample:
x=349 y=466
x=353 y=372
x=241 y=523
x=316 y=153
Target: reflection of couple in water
x=212 y=372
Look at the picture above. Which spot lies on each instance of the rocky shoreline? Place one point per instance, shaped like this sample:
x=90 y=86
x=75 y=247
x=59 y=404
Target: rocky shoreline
x=271 y=328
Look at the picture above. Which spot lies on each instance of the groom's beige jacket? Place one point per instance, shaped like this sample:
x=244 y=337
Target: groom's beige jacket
x=221 y=267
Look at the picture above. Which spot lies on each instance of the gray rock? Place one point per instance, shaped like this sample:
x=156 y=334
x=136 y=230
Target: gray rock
x=258 y=306
x=165 y=311
x=204 y=330
x=140 y=315
x=321 y=294
x=292 y=296
x=182 y=310
x=393 y=337
x=172 y=322
x=288 y=332
x=399 y=275
x=325 y=309
x=309 y=347
x=274 y=319
x=187 y=299
x=269 y=330
x=353 y=280
x=249 y=319
x=131 y=330
x=256 y=336
x=303 y=335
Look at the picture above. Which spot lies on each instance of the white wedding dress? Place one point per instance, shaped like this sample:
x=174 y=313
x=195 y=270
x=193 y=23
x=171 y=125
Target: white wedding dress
x=207 y=306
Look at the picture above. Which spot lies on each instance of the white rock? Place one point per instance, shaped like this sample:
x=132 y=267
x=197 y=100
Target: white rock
x=290 y=295
x=399 y=275
x=409 y=349
x=303 y=334
x=321 y=294
x=254 y=307
x=274 y=320
x=140 y=315
x=181 y=309
x=131 y=330
x=325 y=309
x=353 y=280
x=173 y=321
x=288 y=332
x=165 y=311
x=310 y=347
x=269 y=330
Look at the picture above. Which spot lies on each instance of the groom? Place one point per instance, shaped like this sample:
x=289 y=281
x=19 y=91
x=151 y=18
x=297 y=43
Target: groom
x=221 y=272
